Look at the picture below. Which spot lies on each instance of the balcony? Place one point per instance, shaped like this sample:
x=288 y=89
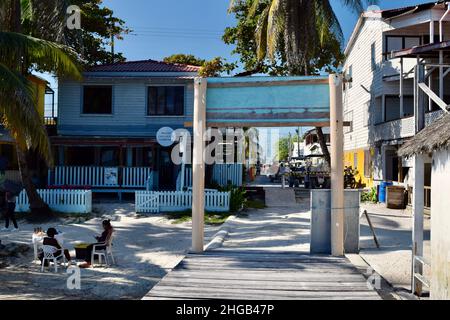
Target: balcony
x=391 y=69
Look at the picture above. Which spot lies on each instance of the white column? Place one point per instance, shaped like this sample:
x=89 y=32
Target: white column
x=337 y=165
x=198 y=165
x=417 y=231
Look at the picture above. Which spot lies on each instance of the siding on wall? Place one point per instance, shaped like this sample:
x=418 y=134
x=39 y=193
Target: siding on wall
x=440 y=224
x=129 y=118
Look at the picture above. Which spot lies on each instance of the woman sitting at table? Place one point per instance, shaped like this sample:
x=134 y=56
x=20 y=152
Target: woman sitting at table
x=50 y=240
x=105 y=236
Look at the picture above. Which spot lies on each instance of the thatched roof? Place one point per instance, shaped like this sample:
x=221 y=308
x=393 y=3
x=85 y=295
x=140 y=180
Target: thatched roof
x=434 y=137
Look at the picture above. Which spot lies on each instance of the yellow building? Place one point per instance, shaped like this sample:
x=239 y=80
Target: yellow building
x=6 y=142
x=361 y=160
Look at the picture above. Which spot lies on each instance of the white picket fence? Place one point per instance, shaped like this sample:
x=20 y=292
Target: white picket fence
x=228 y=173
x=67 y=201
x=222 y=174
x=101 y=177
x=175 y=201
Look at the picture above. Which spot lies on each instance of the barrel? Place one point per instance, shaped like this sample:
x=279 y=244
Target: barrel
x=382 y=192
x=395 y=197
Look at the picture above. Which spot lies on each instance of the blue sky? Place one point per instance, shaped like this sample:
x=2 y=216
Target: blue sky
x=162 y=28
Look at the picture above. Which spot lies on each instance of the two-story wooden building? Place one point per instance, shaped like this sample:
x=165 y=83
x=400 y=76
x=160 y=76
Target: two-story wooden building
x=107 y=124
x=379 y=102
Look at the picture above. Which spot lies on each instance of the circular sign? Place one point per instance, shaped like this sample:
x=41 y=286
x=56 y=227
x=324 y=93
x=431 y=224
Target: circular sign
x=164 y=136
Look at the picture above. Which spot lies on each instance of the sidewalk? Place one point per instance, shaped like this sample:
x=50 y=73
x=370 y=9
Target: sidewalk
x=393 y=229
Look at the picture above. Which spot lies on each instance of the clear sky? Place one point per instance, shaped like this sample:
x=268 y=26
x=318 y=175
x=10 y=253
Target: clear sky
x=162 y=28
x=165 y=27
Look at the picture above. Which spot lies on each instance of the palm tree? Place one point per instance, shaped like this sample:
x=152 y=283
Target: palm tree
x=298 y=28
x=20 y=54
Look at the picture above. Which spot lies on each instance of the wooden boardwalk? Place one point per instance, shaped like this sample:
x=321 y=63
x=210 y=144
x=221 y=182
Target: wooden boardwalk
x=250 y=275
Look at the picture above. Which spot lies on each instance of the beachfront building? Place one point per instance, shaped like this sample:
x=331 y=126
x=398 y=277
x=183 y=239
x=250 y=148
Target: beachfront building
x=379 y=102
x=108 y=125
x=8 y=158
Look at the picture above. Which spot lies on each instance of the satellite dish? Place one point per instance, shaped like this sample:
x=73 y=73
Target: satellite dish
x=373 y=8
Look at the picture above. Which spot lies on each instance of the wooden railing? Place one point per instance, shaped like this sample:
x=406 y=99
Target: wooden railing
x=67 y=201
x=100 y=177
x=175 y=201
x=427 y=201
x=427 y=197
x=50 y=121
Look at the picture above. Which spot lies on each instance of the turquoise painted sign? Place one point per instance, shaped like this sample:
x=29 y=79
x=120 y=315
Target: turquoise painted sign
x=268 y=101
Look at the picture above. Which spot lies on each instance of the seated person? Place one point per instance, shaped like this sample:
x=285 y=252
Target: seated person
x=106 y=234
x=50 y=240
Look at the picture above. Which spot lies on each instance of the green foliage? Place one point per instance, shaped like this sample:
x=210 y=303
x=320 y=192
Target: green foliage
x=238 y=200
x=370 y=196
x=283 y=149
x=212 y=68
x=93 y=42
x=188 y=59
x=350 y=181
x=211 y=218
x=287 y=37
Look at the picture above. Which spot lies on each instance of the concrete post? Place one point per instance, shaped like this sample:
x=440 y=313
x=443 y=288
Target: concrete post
x=337 y=165
x=198 y=165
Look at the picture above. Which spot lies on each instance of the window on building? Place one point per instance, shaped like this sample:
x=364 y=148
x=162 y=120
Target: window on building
x=392 y=107
x=373 y=52
x=367 y=163
x=97 y=100
x=350 y=75
x=166 y=101
x=396 y=43
x=348 y=117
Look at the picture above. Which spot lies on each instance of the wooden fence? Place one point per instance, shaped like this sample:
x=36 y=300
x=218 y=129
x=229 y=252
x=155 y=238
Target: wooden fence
x=175 y=201
x=100 y=177
x=67 y=201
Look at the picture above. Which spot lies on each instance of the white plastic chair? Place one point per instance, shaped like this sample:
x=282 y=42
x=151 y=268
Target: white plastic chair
x=102 y=250
x=49 y=255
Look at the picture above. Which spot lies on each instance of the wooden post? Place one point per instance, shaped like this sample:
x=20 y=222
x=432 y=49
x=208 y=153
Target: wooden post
x=417 y=233
x=419 y=183
x=337 y=165
x=198 y=165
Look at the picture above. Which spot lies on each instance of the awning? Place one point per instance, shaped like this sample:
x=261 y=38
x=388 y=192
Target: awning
x=426 y=51
x=102 y=142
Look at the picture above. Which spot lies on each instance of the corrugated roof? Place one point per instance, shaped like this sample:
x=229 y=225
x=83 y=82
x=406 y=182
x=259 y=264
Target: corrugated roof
x=144 y=66
x=392 y=13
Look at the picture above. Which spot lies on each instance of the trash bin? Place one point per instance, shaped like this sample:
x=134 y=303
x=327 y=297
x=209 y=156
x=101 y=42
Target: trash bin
x=395 y=197
x=382 y=191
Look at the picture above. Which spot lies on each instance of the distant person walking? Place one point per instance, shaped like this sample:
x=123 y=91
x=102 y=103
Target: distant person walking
x=9 y=212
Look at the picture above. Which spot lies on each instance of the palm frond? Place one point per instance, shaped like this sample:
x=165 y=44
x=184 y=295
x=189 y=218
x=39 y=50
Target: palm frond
x=327 y=22
x=45 y=55
x=26 y=7
x=261 y=35
x=19 y=114
x=274 y=28
x=253 y=8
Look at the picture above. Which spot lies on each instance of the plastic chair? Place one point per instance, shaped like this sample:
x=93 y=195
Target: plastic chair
x=49 y=255
x=103 y=249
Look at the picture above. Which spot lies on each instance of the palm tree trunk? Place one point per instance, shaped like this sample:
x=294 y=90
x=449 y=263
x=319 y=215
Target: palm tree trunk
x=323 y=146
x=37 y=205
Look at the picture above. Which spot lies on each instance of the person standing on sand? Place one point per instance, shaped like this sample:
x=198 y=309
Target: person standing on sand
x=10 y=200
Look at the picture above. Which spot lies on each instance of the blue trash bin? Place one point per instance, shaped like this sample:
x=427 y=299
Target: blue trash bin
x=383 y=191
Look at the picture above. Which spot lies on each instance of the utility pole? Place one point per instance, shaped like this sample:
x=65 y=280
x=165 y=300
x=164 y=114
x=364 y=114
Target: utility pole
x=112 y=39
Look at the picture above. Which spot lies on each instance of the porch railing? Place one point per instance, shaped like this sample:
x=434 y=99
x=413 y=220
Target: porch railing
x=100 y=177
x=222 y=174
x=427 y=197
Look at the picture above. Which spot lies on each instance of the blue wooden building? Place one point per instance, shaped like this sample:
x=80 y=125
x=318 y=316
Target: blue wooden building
x=107 y=124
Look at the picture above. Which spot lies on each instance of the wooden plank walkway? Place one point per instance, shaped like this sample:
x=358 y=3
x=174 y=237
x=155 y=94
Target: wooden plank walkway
x=252 y=275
